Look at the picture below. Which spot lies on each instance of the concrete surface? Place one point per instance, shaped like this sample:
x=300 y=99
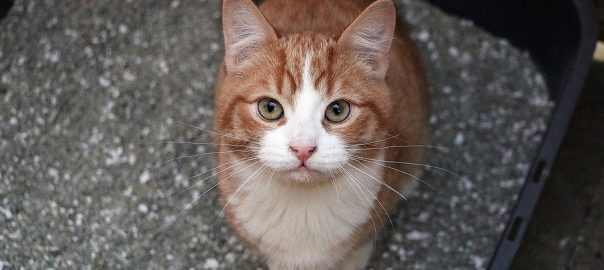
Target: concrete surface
x=89 y=89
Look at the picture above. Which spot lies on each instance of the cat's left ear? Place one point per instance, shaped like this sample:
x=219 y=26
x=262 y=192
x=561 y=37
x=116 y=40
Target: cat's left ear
x=370 y=35
x=245 y=31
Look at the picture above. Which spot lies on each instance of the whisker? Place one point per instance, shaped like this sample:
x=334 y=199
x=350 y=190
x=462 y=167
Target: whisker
x=270 y=179
x=401 y=171
x=214 y=132
x=333 y=180
x=376 y=141
x=344 y=172
x=251 y=177
x=237 y=138
x=233 y=164
x=381 y=182
x=403 y=146
x=208 y=143
x=188 y=206
x=378 y=201
x=381 y=205
x=409 y=163
x=198 y=155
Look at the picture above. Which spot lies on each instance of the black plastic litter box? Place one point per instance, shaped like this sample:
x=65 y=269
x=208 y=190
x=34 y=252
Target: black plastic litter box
x=560 y=36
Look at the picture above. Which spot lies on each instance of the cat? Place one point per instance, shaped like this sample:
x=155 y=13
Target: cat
x=318 y=107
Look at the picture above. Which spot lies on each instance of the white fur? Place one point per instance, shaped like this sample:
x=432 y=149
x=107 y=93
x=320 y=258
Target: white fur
x=303 y=228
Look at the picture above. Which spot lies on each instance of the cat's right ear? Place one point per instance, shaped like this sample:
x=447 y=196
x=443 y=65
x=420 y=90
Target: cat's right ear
x=370 y=35
x=245 y=31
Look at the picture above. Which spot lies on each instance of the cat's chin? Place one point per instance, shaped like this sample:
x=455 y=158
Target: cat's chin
x=303 y=169
x=304 y=175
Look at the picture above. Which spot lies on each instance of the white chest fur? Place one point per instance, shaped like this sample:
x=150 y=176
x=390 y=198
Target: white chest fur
x=304 y=227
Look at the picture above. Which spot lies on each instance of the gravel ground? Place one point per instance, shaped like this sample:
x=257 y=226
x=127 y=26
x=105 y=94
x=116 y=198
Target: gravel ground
x=88 y=90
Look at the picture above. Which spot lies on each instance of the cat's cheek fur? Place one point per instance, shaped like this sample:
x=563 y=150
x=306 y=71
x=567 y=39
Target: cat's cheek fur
x=274 y=152
x=331 y=154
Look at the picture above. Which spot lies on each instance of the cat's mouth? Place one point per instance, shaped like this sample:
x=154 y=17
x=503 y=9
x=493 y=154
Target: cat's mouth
x=302 y=168
x=305 y=174
x=304 y=171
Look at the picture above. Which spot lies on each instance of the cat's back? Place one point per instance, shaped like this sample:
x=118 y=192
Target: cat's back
x=325 y=16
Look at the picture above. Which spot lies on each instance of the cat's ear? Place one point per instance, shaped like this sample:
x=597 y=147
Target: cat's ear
x=370 y=35
x=245 y=30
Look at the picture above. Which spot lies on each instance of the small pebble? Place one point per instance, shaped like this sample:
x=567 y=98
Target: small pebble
x=143 y=208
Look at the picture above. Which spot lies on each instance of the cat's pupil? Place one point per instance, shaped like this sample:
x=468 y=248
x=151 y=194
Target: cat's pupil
x=336 y=108
x=271 y=106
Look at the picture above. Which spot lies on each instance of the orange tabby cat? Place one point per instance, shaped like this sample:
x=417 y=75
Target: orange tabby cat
x=312 y=105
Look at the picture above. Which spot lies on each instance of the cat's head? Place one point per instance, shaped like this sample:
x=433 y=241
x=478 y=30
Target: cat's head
x=304 y=104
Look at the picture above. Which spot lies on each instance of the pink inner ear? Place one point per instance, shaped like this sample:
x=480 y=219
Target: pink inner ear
x=370 y=36
x=245 y=31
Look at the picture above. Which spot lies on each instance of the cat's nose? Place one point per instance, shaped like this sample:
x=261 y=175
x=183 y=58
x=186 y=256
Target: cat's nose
x=303 y=152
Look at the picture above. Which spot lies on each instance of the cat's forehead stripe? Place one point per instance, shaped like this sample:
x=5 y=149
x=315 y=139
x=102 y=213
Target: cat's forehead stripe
x=293 y=54
x=323 y=65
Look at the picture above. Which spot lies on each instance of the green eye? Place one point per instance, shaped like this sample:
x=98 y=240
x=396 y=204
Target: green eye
x=337 y=111
x=270 y=109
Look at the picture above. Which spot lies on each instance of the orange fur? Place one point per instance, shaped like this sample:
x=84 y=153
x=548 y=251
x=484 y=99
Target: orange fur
x=396 y=104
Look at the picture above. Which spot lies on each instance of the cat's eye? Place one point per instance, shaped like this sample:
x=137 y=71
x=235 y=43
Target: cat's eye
x=270 y=109
x=337 y=111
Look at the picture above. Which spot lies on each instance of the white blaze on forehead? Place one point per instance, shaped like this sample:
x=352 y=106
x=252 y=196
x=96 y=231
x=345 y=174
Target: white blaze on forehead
x=307 y=85
x=308 y=99
x=305 y=121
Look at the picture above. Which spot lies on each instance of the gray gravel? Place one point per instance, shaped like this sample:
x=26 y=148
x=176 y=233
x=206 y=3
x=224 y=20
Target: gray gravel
x=89 y=90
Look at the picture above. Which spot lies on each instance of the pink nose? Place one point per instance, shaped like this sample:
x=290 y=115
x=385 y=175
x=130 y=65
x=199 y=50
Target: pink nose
x=303 y=152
